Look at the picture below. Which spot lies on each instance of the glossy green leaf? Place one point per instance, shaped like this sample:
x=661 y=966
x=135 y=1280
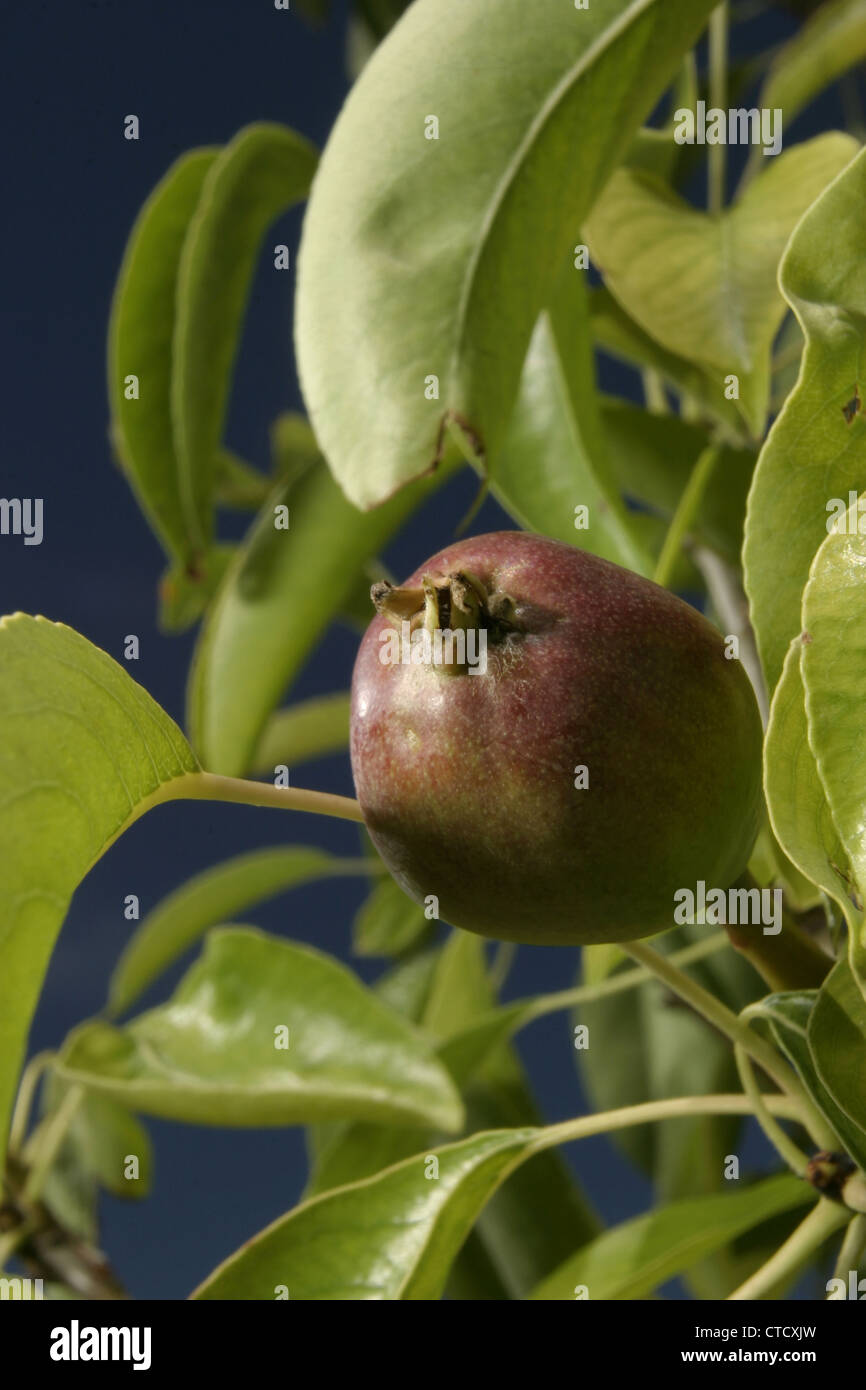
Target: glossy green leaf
x=796 y=800
x=837 y=1044
x=789 y=1021
x=85 y=752
x=705 y=286
x=539 y=1215
x=310 y=729
x=555 y=455
x=831 y=42
x=813 y=454
x=458 y=987
x=392 y=1236
x=431 y=258
x=275 y=603
x=631 y=1260
x=212 y=897
x=257 y=175
x=388 y=923
x=140 y=344
x=214 y=1054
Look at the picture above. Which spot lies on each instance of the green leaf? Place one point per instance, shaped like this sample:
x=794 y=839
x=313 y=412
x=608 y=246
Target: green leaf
x=429 y=258
x=185 y=592
x=832 y=41
x=307 y=730
x=238 y=484
x=276 y=601
x=633 y=1259
x=140 y=336
x=619 y=336
x=258 y=175
x=388 y=923
x=812 y=454
x=85 y=752
x=789 y=1018
x=653 y=458
x=392 y=1236
x=555 y=455
x=214 y=1053
x=796 y=800
x=210 y=898
x=837 y=1044
x=644 y=1046
x=705 y=286
x=833 y=664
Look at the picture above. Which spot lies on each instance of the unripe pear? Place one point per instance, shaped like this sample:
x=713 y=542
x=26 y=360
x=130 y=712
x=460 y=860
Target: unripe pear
x=608 y=755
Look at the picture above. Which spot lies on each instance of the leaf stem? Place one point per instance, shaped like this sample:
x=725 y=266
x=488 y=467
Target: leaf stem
x=24 y=1103
x=685 y=513
x=785 y=960
x=727 y=1022
x=822 y=1221
x=45 y=1142
x=10 y=1242
x=850 y=1253
x=785 y=1147
x=648 y=1112
x=208 y=786
x=539 y=1007
x=718 y=94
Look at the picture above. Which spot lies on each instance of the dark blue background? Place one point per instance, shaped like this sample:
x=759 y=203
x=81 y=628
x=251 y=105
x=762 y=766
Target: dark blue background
x=194 y=71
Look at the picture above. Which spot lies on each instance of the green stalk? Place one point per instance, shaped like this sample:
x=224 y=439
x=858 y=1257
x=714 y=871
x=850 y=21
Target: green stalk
x=46 y=1141
x=727 y=1022
x=785 y=1147
x=207 y=786
x=24 y=1103
x=539 y=1007
x=798 y=1249
x=851 y=1253
x=685 y=513
x=651 y=1111
x=718 y=93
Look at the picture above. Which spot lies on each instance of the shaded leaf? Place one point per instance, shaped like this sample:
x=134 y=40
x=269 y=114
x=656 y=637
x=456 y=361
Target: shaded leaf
x=705 y=286
x=140 y=335
x=210 y=898
x=276 y=601
x=631 y=1260
x=388 y=923
x=837 y=1045
x=788 y=1017
x=796 y=799
x=555 y=455
x=310 y=729
x=262 y=171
